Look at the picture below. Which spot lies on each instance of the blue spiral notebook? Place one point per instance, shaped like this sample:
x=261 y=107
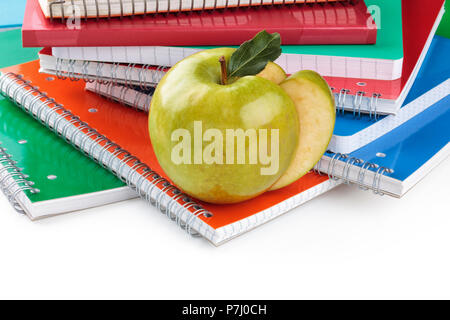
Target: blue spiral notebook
x=352 y=133
x=394 y=163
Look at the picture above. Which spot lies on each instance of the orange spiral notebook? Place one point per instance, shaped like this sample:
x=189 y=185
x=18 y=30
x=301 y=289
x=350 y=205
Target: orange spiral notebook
x=120 y=142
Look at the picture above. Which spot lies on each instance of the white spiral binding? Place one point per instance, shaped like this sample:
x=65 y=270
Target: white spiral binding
x=13 y=181
x=349 y=161
x=137 y=175
x=170 y=9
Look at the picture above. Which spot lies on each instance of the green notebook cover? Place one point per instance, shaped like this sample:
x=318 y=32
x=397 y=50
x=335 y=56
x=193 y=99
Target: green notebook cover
x=389 y=46
x=66 y=179
x=444 y=27
x=11 y=51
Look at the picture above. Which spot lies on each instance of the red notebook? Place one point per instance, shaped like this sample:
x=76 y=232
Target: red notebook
x=333 y=23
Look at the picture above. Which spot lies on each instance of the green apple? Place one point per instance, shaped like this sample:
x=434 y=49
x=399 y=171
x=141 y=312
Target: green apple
x=192 y=113
x=316 y=114
x=273 y=72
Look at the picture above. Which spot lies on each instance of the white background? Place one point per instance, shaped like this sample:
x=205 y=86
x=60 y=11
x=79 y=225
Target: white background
x=344 y=244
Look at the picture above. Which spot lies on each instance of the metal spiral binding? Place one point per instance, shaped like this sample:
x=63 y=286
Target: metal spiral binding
x=86 y=139
x=65 y=69
x=341 y=97
x=357 y=102
x=123 y=90
x=355 y=107
x=349 y=162
x=13 y=181
x=63 y=5
x=373 y=105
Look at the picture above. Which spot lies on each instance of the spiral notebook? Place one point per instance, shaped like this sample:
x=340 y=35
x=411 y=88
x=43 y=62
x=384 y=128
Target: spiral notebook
x=382 y=60
x=35 y=174
x=397 y=161
x=128 y=129
x=337 y=23
x=351 y=131
x=37 y=178
x=356 y=95
x=119 y=8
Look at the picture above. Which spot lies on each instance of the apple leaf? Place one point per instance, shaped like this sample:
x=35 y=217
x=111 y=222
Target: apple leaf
x=253 y=55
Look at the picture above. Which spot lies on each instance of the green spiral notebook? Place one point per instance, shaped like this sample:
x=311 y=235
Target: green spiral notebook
x=40 y=173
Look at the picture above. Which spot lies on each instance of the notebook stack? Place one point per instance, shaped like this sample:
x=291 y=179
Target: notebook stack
x=101 y=61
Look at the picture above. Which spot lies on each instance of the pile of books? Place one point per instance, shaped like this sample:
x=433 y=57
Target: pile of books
x=102 y=59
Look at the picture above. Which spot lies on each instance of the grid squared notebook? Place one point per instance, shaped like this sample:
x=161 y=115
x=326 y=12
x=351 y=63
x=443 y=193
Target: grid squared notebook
x=128 y=129
x=356 y=95
x=336 y=23
x=352 y=133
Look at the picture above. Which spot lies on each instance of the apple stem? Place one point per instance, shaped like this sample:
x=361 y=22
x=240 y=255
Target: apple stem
x=223 y=66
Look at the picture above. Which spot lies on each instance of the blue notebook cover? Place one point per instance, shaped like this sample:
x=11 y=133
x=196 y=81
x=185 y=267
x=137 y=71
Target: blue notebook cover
x=435 y=70
x=407 y=148
x=401 y=157
x=11 y=13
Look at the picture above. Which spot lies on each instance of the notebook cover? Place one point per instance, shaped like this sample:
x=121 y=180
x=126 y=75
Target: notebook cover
x=403 y=156
x=408 y=147
x=42 y=154
x=444 y=28
x=11 y=51
x=306 y=24
x=129 y=129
